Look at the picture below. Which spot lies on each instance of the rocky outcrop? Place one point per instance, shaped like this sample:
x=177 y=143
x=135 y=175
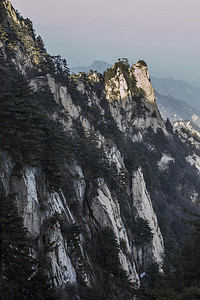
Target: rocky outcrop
x=121 y=156
x=164 y=161
x=139 y=115
x=143 y=81
x=194 y=161
x=143 y=204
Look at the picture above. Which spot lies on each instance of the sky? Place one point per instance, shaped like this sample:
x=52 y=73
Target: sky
x=164 y=33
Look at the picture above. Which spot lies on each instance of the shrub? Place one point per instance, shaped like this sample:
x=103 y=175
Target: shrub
x=142 y=62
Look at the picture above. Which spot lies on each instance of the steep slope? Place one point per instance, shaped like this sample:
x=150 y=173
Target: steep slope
x=97 y=176
x=190 y=134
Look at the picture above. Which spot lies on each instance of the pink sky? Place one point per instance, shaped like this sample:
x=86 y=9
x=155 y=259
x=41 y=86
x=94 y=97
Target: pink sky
x=165 y=33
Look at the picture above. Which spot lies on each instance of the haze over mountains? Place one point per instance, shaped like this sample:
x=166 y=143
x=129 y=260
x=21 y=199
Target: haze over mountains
x=93 y=181
x=178 y=89
x=97 y=65
x=176 y=99
x=175 y=109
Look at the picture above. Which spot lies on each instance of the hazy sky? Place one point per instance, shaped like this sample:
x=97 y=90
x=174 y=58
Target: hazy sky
x=165 y=33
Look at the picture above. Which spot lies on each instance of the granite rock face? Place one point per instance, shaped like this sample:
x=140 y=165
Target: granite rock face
x=137 y=152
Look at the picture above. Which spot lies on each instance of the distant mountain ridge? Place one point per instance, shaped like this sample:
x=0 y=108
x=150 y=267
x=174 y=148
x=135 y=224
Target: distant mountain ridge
x=178 y=89
x=97 y=65
x=93 y=175
x=175 y=109
x=176 y=99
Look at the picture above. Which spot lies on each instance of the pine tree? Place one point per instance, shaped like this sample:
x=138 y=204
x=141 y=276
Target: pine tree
x=27 y=132
x=22 y=275
x=17 y=264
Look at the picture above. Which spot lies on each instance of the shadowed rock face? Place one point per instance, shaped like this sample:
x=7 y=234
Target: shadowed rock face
x=123 y=168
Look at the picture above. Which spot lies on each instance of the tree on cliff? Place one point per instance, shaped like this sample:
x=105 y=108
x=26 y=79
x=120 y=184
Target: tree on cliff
x=22 y=275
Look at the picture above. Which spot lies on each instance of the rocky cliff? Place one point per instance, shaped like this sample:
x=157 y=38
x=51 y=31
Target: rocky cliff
x=97 y=176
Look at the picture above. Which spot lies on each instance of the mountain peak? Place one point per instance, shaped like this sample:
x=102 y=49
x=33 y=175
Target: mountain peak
x=95 y=173
x=97 y=65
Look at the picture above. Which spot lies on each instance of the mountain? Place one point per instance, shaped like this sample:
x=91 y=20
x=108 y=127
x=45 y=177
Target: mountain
x=177 y=109
x=94 y=184
x=97 y=65
x=189 y=133
x=178 y=89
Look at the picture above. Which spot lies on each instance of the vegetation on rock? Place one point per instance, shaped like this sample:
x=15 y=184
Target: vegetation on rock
x=75 y=164
x=23 y=276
